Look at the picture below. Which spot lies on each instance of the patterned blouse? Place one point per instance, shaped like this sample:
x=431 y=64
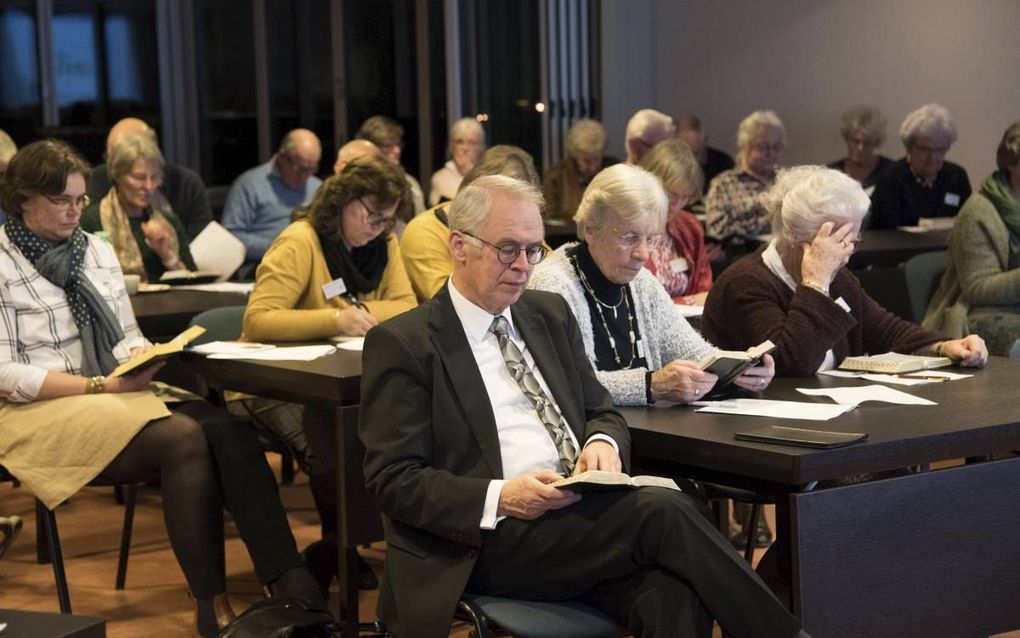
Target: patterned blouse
x=37 y=331
x=733 y=206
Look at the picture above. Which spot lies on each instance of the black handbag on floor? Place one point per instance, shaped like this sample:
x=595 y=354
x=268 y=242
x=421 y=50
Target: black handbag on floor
x=280 y=617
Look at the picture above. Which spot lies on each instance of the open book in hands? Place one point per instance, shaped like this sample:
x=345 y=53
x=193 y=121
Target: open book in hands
x=894 y=363
x=600 y=481
x=730 y=364
x=158 y=352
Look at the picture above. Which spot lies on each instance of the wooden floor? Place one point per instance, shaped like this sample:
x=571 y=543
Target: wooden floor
x=155 y=601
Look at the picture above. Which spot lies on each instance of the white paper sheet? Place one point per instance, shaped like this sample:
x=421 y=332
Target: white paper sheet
x=293 y=353
x=354 y=344
x=909 y=378
x=239 y=287
x=860 y=394
x=775 y=409
x=687 y=311
x=216 y=249
x=231 y=347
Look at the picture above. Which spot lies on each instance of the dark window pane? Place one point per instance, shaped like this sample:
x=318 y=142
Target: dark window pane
x=20 y=103
x=226 y=68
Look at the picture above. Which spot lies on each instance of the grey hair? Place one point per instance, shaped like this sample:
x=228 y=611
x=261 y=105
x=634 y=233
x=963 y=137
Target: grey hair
x=650 y=121
x=867 y=120
x=673 y=162
x=128 y=150
x=1008 y=153
x=805 y=197
x=465 y=124
x=7 y=147
x=931 y=120
x=585 y=137
x=473 y=203
x=750 y=125
x=621 y=192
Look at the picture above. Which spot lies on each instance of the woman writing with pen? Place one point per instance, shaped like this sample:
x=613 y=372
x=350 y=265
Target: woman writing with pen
x=336 y=270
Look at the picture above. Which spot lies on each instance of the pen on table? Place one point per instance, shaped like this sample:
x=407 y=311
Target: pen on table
x=923 y=377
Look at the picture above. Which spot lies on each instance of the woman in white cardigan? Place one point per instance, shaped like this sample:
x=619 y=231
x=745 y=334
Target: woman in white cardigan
x=640 y=346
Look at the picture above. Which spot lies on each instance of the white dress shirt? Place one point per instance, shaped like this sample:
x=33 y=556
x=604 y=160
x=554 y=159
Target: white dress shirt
x=524 y=443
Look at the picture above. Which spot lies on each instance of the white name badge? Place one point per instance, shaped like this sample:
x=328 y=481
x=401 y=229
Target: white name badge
x=334 y=288
x=678 y=265
x=952 y=199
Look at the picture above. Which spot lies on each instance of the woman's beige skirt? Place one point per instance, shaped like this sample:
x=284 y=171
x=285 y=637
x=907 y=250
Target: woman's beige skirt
x=57 y=446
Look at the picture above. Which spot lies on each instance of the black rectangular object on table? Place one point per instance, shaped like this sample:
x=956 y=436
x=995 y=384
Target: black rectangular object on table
x=801 y=437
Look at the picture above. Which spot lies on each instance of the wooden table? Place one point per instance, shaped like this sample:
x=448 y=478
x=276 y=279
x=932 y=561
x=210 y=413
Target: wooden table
x=333 y=382
x=559 y=232
x=166 y=314
x=928 y=554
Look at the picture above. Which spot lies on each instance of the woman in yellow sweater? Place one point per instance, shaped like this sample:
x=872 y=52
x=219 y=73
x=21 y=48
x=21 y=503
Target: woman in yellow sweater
x=335 y=270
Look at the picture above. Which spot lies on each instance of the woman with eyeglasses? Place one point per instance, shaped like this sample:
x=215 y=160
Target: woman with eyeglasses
x=64 y=419
x=641 y=348
x=733 y=213
x=680 y=260
x=147 y=235
x=336 y=270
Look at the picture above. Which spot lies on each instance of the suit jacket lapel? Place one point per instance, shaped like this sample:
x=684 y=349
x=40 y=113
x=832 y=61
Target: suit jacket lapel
x=536 y=335
x=455 y=352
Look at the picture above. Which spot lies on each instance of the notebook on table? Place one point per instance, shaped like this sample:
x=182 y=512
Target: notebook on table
x=801 y=437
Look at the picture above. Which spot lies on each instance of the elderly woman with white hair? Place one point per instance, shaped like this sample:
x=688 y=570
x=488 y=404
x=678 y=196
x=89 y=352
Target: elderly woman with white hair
x=798 y=293
x=641 y=348
x=565 y=181
x=922 y=184
x=981 y=287
x=733 y=210
x=467 y=143
x=863 y=130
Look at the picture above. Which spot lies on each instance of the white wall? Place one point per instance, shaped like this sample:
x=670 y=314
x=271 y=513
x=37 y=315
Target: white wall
x=811 y=59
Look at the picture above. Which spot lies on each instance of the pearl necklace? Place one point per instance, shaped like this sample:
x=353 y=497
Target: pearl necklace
x=599 y=305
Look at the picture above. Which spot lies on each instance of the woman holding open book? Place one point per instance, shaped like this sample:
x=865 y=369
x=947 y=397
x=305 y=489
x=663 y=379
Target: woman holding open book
x=640 y=346
x=797 y=292
x=65 y=419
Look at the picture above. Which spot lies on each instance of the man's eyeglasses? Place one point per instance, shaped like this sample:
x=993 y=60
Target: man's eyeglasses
x=300 y=168
x=377 y=220
x=66 y=202
x=508 y=252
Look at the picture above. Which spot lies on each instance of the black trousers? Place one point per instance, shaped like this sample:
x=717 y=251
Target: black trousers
x=649 y=557
x=205 y=460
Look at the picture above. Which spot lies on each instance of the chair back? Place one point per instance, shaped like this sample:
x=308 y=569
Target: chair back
x=923 y=273
x=221 y=324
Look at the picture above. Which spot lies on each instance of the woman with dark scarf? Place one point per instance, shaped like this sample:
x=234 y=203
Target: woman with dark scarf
x=335 y=270
x=980 y=290
x=67 y=323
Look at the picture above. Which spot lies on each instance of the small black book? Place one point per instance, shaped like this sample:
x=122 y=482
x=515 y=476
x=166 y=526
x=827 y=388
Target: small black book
x=801 y=437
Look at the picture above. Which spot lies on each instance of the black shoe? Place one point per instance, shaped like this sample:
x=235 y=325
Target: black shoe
x=321 y=558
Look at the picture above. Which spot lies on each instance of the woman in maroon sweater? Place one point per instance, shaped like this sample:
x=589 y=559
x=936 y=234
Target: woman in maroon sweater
x=798 y=293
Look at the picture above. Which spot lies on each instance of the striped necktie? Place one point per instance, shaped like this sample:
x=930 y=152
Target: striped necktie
x=525 y=378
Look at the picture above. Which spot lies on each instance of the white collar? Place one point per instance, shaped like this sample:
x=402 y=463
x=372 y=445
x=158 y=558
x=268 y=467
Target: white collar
x=476 y=320
x=775 y=264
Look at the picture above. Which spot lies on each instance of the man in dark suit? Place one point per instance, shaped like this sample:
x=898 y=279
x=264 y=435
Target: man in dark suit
x=460 y=453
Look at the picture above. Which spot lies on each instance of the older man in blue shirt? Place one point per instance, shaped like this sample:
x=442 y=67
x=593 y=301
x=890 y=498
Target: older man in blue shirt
x=261 y=200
